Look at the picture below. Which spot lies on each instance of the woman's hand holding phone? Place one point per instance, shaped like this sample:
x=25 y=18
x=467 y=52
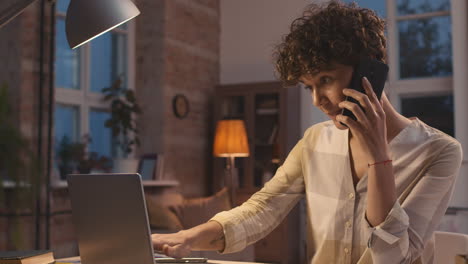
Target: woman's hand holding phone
x=375 y=71
x=369 y=128
x=362 y=111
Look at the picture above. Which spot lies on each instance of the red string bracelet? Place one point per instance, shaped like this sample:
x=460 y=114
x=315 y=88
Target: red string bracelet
x=385 y=162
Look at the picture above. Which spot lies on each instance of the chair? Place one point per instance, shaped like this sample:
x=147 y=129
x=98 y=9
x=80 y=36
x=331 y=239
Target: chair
x=448 y=245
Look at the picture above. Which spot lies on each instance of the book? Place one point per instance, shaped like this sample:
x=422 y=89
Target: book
x=27 y=257
x=274 y=133
x=461 y=259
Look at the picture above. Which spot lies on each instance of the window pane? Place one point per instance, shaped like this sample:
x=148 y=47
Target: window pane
x=66 y=128
x=62 y=5
x=66 y=60
x=425 y=47
x=407 y=7
x=108 y=60
x=66 y=123
x=101 y=137
x=378 y=6
x=436 y=111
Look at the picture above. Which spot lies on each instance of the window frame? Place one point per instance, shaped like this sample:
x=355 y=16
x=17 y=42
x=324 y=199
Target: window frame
x=85 y=99
x=405 y=88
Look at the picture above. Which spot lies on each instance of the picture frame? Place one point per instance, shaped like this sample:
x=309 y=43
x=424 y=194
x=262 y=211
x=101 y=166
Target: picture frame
x=150 y=167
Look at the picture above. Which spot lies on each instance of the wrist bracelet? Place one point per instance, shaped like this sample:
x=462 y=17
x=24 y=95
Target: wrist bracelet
x=385 y=162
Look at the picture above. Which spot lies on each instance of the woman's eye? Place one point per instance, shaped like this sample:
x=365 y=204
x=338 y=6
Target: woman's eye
x=306 y=87
x=325 y=80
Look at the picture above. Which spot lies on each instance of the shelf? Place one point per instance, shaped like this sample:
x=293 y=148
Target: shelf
x=267 y=111
x=12 y=184
x=161 y=183
x=59 y=185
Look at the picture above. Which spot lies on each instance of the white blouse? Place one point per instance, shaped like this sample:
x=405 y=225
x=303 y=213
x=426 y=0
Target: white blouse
x=426 y=163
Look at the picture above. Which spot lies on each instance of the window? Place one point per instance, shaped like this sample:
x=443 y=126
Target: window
x=435 y=110
x=419 y=52
x=424 y=34
x=422 y=74
x=378 y=6
x=79 y=77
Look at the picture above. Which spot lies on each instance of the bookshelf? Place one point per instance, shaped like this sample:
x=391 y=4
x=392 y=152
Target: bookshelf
x=271 y=115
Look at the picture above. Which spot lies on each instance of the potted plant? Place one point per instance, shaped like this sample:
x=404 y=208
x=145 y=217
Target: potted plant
x=124 y=111
x=73 y=157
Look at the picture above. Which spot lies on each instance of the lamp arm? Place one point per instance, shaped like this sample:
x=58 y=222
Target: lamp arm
x=6 y=15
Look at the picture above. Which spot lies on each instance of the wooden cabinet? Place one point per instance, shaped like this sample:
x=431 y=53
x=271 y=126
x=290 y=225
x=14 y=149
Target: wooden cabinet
x=271 y=115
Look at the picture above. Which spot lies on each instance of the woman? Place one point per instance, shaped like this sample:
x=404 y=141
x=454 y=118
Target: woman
x=376 y=187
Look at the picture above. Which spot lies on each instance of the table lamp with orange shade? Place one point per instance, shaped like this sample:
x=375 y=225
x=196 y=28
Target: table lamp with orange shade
x=231 y=142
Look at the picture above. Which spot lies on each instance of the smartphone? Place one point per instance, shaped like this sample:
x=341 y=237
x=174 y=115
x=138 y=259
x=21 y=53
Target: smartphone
x=375 y=71
x=181 y=260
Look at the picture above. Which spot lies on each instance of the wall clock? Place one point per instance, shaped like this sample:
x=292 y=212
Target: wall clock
x=180 y=106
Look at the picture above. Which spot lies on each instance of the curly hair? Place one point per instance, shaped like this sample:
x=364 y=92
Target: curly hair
x=336 y=32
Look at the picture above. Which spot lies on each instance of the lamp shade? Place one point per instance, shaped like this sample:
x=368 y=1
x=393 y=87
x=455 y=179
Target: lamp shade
x=231 y=139
x=88 y=19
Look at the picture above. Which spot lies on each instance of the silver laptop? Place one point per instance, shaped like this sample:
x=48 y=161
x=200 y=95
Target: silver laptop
x=110 y=218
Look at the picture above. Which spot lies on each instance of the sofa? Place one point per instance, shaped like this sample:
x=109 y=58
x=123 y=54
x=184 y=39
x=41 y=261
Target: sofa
x=172 y=212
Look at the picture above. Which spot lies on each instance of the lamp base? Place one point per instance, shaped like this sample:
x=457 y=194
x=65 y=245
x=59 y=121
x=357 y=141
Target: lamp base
x=231 y=180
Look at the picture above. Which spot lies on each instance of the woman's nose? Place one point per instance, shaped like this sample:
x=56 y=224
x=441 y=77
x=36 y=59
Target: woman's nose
x=317 y=97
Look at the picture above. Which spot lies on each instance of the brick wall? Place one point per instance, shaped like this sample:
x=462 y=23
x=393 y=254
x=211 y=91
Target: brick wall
x=62 y=232
x=10 y=64
x=178 y=53
x=149 y=66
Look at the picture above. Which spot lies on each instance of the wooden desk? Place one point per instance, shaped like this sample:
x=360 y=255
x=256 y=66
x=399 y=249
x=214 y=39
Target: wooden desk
x=75 y=260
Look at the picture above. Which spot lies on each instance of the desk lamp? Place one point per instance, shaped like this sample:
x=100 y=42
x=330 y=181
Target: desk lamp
x=231 y=142
x=86 y=19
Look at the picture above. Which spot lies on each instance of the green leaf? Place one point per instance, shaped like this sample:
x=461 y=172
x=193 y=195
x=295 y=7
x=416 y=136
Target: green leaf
x=123 y=110
x=130 y=96
x=107 y=97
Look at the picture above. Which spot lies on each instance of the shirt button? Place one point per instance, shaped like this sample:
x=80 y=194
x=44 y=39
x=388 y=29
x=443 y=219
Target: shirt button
x=351 y=196
x=348 y=224
x=346 y=250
